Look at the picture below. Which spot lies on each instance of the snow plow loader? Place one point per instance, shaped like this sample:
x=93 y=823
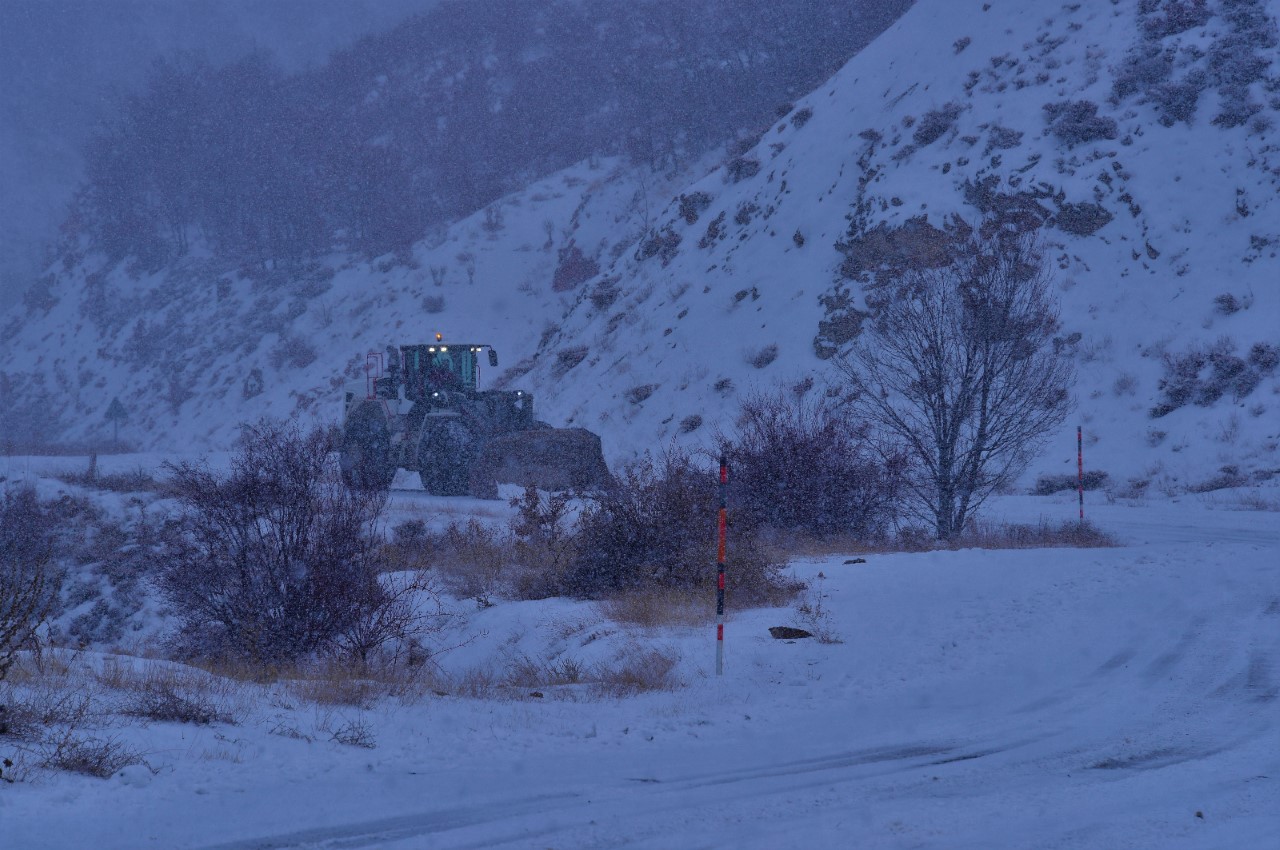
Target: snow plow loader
x=421 y=410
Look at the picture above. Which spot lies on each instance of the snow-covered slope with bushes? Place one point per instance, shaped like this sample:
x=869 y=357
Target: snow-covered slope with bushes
x=1140 y=138
x=1162 y=239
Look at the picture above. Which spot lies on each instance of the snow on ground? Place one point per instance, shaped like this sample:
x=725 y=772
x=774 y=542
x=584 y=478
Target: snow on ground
x=1122 y=697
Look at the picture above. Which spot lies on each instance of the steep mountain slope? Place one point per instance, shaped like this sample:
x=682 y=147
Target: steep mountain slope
x=1138 y=137
x=1163 y=237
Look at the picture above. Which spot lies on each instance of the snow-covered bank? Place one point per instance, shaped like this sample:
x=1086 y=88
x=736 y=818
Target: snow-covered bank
x=1047 y=698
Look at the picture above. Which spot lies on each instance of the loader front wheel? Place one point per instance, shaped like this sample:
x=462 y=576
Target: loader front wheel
x=366 y=450
x=446 y=453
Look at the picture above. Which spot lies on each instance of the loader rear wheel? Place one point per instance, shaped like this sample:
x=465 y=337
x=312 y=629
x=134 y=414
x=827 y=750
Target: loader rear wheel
x=366 y=451
x=446 y=453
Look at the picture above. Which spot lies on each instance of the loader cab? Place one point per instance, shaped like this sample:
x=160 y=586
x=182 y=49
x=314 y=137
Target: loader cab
x=442 y=366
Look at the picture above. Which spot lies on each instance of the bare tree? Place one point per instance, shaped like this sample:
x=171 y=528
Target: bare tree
x=956 y=366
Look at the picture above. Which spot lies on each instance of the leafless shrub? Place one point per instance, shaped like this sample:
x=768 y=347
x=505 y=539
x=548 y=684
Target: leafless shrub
x=1126 y=384
x=286 y=729
x=604 y=293
x=813 y=614
x=656 y=529
x=476 y=683
x=567 y=358
x=1092 y=479
x=279 y=559
x=1255 y=501
x=333 y=685
x=29 y=585
x=1227 y=477
x=543 y=543
x=638 y=394
x=165 y=704
x=1203 y=376
x=293 y=351
x=762 y=357
x=354 y=732
x=801 y=464
x=137 y=481
x=574 y=269
x=1226 y=304
x=1077 y=122
x=98 y=757
x=471 y=559
x=692 y=205
x=407 y=611
x=524 y=672
x=935 y=123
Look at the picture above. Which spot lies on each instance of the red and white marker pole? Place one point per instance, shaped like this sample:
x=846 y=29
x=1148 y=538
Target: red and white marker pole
x=1080 y=469
x=723 y=525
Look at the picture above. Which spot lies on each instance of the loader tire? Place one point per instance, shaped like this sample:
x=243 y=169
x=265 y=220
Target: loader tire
x=365 y=459
x=446 y=453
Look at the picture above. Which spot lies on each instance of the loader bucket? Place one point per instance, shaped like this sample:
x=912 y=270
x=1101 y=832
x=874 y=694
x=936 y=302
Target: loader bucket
x=547 y=458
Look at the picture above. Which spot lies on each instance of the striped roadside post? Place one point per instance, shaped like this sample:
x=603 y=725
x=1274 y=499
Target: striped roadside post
x=723 y=524
x=1080 y=469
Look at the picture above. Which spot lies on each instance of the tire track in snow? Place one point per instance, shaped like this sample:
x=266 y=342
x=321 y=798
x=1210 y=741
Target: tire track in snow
x=374 y=833
x=637 y=794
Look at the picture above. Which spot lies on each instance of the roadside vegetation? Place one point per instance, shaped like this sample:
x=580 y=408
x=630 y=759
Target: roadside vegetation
x=277 y=582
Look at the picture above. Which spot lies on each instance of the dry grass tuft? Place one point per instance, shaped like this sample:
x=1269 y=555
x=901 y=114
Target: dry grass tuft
x=1067 y=535
x=332 y=685
x=656 y=607
x=471 y=560
x=639 y=671
x=166 y=693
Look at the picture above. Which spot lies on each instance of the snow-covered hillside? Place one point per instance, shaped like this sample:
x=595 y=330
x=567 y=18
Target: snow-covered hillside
x=945 y=115
x=1141 y=137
